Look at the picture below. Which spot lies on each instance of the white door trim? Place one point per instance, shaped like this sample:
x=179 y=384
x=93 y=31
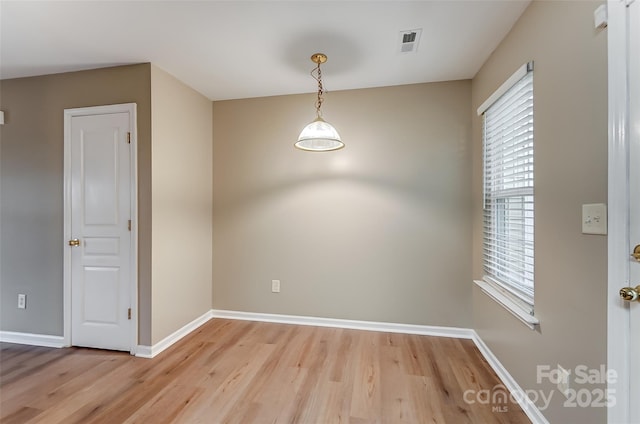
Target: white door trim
x=131 y=108
x=618 y=188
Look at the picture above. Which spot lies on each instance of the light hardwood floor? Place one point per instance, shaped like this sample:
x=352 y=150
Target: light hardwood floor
x=249 y=372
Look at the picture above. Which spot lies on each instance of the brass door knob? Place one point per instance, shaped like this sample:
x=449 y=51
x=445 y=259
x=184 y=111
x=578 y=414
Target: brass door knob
x=74 y=242
x=636 y=253
x=630 y=294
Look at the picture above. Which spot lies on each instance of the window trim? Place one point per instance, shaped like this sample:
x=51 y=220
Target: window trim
x=504 y=296
x=507 y=301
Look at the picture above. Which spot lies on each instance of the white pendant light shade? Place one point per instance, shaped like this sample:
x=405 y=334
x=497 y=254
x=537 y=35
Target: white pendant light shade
x=319 y=136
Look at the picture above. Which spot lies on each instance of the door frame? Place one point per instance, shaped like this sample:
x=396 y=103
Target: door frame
x=618 y=313
x=130 y=108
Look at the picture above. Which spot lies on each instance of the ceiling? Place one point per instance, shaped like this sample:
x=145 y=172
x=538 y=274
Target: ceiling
x=240 y=49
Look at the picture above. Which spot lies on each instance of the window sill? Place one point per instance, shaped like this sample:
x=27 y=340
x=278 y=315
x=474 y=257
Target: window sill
x=503 y=300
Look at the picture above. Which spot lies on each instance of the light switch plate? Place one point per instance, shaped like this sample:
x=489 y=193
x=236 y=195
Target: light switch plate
x=594 y=219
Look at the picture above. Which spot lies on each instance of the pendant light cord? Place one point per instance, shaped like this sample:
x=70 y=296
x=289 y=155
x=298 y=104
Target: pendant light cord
x=320 y=88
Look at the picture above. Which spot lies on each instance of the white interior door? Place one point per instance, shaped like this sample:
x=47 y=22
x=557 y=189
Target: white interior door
x=623 y=351
x=99 y=246
x=634 y=205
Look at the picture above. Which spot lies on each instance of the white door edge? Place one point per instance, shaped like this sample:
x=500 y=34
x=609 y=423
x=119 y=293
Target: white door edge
x=618 y=212
x=131 y=108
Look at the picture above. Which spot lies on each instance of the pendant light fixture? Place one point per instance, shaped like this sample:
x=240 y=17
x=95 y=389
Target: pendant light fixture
x=319 y=135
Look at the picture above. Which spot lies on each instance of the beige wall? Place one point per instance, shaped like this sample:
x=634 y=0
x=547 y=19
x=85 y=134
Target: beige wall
x=377 y=231
x=570 y=130
x=31 y=178
x=181 y=203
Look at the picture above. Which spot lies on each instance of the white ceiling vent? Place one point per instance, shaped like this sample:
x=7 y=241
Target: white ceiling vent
x=409 y=40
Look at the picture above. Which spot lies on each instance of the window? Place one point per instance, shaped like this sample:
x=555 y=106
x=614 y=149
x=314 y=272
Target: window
x=508 y=253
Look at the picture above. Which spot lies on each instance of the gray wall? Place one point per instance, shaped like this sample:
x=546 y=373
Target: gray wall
x=31 y=196
x=377 y=231
x=570 y=130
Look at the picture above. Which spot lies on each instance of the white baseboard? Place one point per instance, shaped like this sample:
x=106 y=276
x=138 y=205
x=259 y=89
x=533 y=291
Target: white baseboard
x=426 y=330
x=510 y=383
x=32 y=339
x=151 y=351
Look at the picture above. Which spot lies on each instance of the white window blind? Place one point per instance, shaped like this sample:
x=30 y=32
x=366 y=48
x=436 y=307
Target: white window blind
x=508 y=189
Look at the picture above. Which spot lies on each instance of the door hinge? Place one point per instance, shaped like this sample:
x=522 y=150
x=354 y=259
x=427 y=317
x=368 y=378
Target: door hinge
x=129 y=313
x=129 y=225
x=129 y=137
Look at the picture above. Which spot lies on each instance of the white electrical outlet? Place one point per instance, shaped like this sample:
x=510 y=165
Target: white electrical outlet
x=563 y=381
x=22 y=301
x=275 y=286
